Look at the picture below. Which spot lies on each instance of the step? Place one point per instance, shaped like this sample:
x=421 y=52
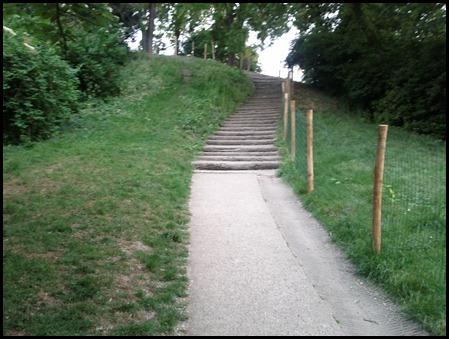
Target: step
x=255 y=114
x=263 y=108
x=241 y=142
x=239 y=158
x=235 y=148
x=252 y=118
x=251 y=125
x=247 y=129
x=258 y=114
x=267 y=105
x=243 y=137
x=251 y=121
x=236 y=165
x=247 y=154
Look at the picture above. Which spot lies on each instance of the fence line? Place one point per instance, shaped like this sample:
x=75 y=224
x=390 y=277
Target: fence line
x=407 y=194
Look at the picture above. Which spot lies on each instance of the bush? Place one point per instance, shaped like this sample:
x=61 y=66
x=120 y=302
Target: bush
x=39 y=89
x=97 y=56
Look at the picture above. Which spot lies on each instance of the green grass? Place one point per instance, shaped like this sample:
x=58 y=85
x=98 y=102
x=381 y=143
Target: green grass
x=94 y=234
x=412 y=266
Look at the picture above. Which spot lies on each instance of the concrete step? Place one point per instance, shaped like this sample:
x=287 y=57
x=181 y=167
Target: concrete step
x=253 y=118
x=241 y=142
x=255 y=114
x=266 y=106
x=258 y=114
x=239 y=158
x=249 y=124
x=236 y=148
x=241 y=154
x=243 y=137
x=236 y=165
x=247 y=129
x=255 y=121
x=251 y=121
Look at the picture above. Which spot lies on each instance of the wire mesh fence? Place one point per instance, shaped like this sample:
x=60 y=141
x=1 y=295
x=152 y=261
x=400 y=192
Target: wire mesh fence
x=413 y=224
x=414 y=204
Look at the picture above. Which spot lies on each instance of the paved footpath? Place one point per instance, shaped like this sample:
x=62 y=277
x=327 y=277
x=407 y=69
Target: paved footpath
x=261 y=265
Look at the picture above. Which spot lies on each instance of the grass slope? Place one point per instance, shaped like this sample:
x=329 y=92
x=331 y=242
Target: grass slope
x=94 y=233
x=412 y=266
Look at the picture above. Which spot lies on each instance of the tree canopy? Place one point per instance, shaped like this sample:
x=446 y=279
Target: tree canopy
x=388 y=58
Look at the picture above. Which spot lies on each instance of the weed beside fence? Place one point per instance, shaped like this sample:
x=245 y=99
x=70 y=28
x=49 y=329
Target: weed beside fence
x=411 y=265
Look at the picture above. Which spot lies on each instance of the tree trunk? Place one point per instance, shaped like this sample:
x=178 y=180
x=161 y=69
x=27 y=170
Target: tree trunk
x=176 y=46
x=177 y=34
x=145 y=40
x=61 y=30
x=152 y=16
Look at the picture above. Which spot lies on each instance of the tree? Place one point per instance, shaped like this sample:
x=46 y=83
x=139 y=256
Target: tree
x=386 y=58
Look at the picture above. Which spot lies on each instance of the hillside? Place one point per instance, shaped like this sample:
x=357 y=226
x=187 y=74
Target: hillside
x=94 y=218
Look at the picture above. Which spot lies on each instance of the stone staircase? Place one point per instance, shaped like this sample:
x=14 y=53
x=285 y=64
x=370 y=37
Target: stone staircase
x=246 y=139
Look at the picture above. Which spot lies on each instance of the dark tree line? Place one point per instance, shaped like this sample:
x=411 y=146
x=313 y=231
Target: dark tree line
x=387 y=58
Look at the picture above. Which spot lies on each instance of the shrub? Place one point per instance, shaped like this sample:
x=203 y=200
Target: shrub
x=97 y=56
x=39 y=89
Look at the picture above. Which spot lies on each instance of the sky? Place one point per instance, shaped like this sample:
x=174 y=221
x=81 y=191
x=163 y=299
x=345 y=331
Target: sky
x=271 y=59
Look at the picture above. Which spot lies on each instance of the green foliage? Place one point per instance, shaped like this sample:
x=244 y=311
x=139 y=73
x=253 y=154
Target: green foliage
x=87 y=35
x=39 y=89
x=389 y=59
x=98 y=57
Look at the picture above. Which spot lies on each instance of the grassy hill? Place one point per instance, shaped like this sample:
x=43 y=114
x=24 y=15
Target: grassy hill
x=94 y=233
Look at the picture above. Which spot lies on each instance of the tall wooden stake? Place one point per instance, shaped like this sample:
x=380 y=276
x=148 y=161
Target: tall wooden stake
x=205 y=51
x=213 y=49
x=293 y=129
x=377 y=189
x=193 y=48
x=310 y=177
x=285 y=114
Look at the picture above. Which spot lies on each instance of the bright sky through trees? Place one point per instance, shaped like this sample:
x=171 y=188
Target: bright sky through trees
x=271 y=59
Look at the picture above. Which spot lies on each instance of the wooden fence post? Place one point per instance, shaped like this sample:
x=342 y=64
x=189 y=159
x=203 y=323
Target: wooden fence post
x=285 y=114
x=193 y=48
x=213 y=50
x=310 y=177
x=205 y=51
x=293 y=129
x=377 y=189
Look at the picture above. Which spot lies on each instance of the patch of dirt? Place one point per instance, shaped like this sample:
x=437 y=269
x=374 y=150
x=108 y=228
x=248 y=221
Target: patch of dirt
x=14 y=187
x=133 y=278
x=129 y=247
x=16 y=334
x=44 y=299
